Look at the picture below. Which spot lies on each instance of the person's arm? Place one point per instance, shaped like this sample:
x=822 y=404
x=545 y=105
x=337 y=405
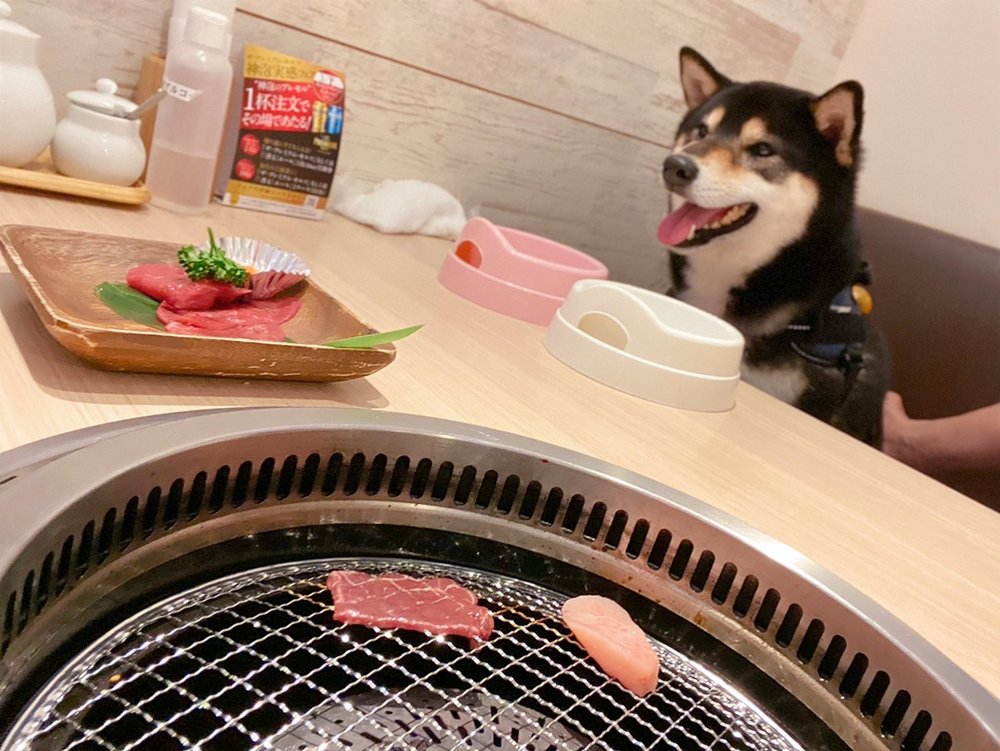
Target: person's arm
x=969 y=441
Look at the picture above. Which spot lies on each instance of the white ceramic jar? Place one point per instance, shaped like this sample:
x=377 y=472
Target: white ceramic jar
x=27 y=112
x=95 y=141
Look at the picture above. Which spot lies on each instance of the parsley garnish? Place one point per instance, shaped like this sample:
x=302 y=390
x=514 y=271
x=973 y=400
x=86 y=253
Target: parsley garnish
x=211 y=264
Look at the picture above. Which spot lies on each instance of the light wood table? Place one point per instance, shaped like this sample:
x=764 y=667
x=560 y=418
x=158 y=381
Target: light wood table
x=928 y=554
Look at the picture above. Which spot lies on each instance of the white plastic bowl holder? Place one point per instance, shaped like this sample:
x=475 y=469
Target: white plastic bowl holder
x=648 y=345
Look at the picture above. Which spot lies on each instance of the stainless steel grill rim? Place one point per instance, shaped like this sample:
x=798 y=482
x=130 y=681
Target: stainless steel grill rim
x=861 y=670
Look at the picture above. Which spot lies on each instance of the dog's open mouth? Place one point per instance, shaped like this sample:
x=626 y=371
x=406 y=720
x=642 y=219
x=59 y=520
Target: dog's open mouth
x=693 y=225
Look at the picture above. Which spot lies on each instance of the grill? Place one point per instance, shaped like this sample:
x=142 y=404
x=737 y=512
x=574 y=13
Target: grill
x=165 y=590
x=255 y=661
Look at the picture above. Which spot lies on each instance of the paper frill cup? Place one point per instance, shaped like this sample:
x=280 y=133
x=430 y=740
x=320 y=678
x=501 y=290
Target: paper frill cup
x=273 y=270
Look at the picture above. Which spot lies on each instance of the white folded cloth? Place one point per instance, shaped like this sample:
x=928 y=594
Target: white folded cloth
x=399 y=206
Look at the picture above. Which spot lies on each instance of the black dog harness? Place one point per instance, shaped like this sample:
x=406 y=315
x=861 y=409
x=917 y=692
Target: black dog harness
x=834 y=336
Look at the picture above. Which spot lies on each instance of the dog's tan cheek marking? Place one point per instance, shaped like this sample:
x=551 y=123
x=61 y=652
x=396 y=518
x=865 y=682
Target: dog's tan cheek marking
x=725 y=163
x=804 y=184
x=720 y=159
x=801 y=194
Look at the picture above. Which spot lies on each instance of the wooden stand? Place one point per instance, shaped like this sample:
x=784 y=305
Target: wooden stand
x=150 y=79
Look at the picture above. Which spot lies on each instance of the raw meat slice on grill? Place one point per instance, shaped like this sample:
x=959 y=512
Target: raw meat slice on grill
x=436 y=605
x=612 y=638
x=171 y=284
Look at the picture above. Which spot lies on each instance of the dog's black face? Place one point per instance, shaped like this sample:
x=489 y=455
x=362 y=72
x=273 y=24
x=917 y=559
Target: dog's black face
x=756 y=152
x=761 y=185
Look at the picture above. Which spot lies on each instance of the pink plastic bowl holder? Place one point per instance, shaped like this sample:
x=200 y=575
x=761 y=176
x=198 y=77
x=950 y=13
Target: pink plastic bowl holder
x=515 y=273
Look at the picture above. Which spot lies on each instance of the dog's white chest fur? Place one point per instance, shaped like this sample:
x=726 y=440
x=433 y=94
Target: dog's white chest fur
x=787 y=384
x=714 y=270
x=711 y=275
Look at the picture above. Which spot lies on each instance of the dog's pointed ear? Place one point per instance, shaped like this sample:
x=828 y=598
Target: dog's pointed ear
x=698 y=78
x=838 y=115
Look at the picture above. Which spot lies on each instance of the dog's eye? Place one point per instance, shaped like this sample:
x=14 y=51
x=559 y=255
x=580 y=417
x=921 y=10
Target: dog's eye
x=702 y=130
x=761 y=149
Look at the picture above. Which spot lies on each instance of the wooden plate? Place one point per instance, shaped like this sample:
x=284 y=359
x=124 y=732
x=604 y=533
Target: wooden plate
x=41 y=175
x=60 y=269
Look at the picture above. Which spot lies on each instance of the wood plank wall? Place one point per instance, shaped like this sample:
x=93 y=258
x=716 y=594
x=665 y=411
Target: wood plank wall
x=553 y=116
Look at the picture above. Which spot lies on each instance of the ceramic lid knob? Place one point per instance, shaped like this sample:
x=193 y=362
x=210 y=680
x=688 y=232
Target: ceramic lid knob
x=102 y=98
x=12 y=31
x=104 y=85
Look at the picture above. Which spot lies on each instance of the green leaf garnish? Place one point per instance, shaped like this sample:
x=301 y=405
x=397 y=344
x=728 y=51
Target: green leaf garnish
x=211 y=264
x=128 y=303
x=373 y=340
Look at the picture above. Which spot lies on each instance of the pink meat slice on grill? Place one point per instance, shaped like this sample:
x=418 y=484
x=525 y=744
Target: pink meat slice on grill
x=255 y=319
x=435 y=605
x=613 y=639
x=170 y=284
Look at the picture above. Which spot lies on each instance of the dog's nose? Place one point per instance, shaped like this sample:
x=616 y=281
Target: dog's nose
x=679 y=170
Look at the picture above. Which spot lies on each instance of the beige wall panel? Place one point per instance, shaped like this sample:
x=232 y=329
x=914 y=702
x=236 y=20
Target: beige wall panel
x=610 y=63
x=823 y=29
x=520 y=165
x=85 y=40
x=933 y=114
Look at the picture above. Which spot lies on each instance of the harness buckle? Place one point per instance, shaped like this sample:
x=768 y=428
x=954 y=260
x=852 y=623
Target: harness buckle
x=835 y=335
x=851 y=362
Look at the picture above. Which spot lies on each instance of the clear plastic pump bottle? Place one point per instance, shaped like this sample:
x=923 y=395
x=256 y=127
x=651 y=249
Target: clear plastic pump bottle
x=189 y=121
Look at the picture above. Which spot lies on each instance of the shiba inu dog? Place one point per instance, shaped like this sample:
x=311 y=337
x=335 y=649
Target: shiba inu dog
x=764 y=237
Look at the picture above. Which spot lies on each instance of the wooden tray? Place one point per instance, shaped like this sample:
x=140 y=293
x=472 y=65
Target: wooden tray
x=41 y=175
x=59 y=269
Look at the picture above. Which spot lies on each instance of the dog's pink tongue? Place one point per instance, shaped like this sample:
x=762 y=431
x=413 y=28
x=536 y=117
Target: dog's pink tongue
x=676 y=226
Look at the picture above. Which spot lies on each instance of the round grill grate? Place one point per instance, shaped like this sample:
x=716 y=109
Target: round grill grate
x=255 y=661
x=422 y=719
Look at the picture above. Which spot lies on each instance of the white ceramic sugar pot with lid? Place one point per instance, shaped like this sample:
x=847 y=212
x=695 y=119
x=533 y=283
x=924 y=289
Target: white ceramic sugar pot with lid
x=27 y=112
x=96 y=141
